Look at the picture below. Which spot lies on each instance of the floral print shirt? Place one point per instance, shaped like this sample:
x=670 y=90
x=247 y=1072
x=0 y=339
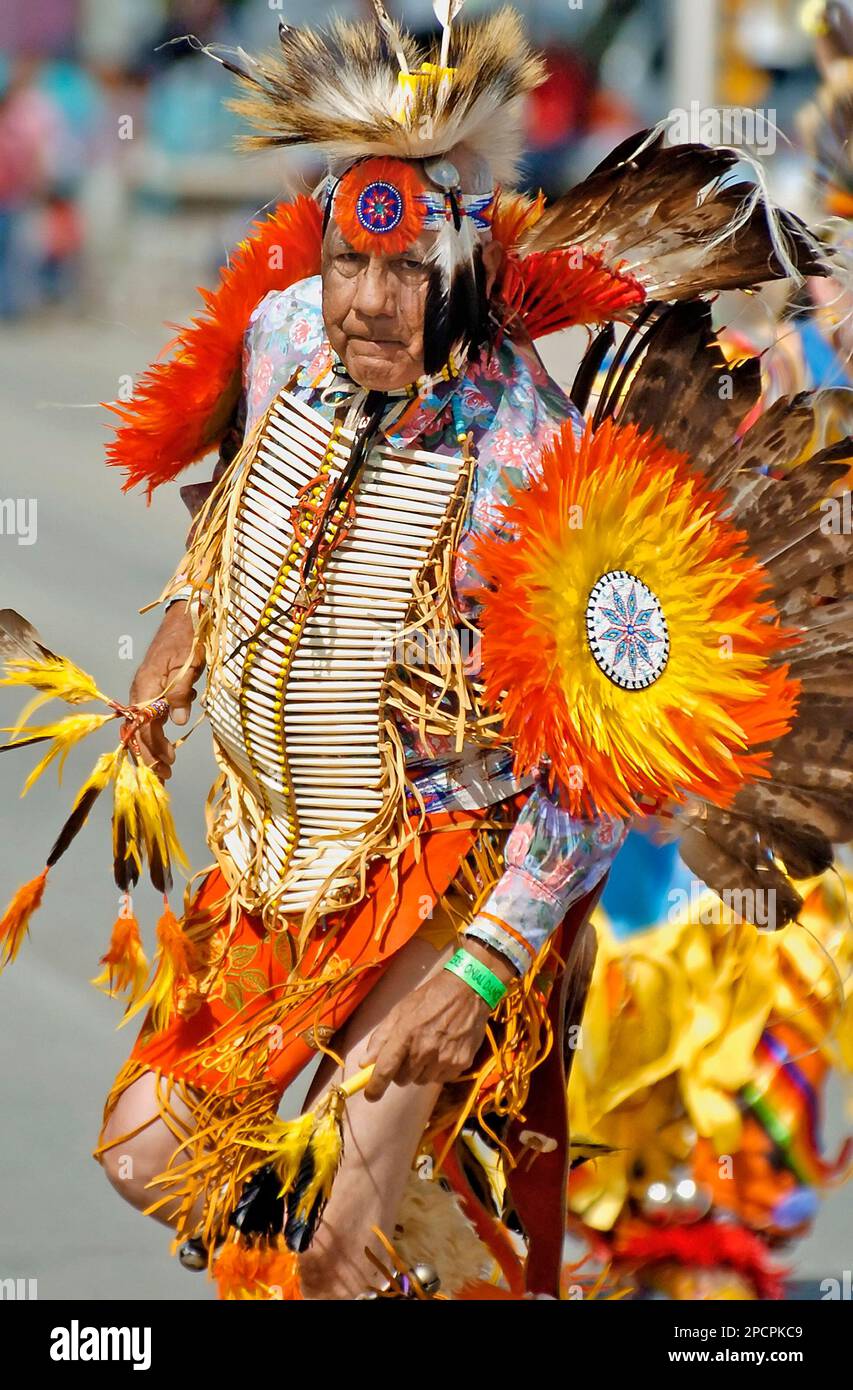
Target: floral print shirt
x=513 y=408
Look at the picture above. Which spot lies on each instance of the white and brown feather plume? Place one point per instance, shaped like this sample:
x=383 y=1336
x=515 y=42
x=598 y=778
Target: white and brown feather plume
x=337 y=89
x=667 y=216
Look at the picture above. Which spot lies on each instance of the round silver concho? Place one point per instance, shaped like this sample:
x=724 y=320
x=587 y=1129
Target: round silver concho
x=626 y=630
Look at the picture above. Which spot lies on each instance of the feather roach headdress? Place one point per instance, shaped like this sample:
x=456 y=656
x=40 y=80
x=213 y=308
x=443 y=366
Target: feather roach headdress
x=368 y=89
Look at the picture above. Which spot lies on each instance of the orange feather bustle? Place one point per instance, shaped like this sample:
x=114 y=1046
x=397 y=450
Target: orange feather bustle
x=619 y=500
x=181 y=407
x=16 y=919
x=555 y=289
x=402 y=177
x=126 y=966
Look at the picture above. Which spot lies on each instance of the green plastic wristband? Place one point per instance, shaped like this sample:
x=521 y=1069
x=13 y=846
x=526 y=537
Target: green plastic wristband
x=481 y=979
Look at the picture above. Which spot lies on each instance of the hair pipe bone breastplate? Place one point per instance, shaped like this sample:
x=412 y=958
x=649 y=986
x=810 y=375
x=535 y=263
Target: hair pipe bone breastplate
x=295 y=699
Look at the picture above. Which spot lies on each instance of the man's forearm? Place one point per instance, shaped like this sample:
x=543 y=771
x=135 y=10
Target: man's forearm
x=553 y=860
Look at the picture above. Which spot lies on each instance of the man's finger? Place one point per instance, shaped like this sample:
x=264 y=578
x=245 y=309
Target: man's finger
x=374 y=1045
x=156 y=750
x=387 y=1066
x=152 y=738
x=180 y=697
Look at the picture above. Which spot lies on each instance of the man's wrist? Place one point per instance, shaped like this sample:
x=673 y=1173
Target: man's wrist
x=477 y=976
x=485 y=934
x=491 y=957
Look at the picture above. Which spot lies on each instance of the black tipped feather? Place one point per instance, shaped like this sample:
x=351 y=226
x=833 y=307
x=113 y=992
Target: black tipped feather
x=159 y=870
x=18 y=638
x=260 y=1210
x=299 y=1231
x=74 y=824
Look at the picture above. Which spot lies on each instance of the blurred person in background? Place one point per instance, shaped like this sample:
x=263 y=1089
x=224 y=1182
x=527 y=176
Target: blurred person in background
x=31 y=139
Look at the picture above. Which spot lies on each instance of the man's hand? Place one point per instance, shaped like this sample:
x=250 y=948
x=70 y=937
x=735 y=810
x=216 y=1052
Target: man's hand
x=172 y=645
x=434 y=1033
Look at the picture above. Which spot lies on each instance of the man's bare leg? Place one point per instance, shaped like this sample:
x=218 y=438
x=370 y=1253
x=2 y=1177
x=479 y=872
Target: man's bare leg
x=131 y=1164
x=380 y=1141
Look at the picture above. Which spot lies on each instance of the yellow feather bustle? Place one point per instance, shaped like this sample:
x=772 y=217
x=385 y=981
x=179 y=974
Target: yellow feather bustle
x=620 y=502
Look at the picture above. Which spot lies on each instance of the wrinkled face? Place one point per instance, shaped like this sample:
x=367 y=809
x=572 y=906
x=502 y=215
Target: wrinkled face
x=374 y=307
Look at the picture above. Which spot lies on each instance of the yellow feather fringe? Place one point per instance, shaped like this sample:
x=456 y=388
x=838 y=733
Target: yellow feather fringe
x=56 y=678
x=65 y=733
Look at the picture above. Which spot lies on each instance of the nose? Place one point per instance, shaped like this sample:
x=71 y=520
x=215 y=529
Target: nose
x=373 y=289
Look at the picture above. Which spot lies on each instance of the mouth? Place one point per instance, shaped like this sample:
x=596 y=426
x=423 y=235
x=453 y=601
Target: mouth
x=377 y=342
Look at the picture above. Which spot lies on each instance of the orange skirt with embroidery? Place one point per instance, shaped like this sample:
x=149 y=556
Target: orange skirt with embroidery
x=253 y=963
x=248 y=1019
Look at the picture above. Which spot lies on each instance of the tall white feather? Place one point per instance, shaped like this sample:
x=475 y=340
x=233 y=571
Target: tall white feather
x=445 y=12
x=391 y=33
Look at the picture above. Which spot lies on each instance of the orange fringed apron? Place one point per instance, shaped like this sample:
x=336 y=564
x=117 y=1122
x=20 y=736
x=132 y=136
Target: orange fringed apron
x=248 y=1020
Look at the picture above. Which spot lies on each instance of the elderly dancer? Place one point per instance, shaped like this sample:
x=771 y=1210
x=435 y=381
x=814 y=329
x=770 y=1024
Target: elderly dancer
x=391 y=377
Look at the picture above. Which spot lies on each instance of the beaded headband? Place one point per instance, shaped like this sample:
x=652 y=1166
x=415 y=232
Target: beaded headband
x=381 y=206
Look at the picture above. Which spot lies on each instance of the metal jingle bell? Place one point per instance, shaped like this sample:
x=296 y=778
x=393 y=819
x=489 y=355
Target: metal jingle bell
x=427 y=1276
x=193 y=1254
